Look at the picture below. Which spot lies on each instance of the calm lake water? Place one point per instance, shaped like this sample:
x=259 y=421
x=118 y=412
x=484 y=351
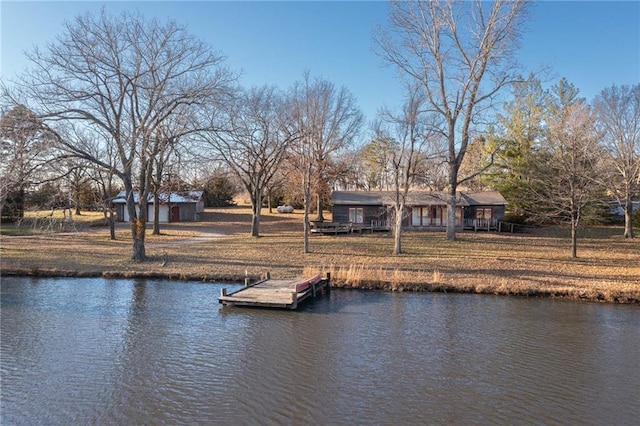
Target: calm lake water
x=97 y=351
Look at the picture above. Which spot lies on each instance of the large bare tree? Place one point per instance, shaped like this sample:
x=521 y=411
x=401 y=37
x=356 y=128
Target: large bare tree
x=460 y=53
x=326 y=120
x=120 y=78
x=618 y=118
x=253 y=142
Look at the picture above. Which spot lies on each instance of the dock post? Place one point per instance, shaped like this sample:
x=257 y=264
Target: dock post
x=246 y=282
x=268 y=275
x=328 y=285
x=223 y=292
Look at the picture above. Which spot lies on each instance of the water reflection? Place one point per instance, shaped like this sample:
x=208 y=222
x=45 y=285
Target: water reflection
x=121 y=352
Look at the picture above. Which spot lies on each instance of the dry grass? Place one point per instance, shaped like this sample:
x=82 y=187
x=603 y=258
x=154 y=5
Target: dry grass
x=219 y=248
x=85 y=216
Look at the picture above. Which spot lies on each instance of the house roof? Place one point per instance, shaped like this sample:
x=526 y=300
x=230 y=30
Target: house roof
x=427 y=198
x=357 y=198
x=173 y=198
x=416 y=198
x=485 y=198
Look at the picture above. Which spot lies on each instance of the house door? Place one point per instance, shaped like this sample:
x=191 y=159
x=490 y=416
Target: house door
x=175 y=214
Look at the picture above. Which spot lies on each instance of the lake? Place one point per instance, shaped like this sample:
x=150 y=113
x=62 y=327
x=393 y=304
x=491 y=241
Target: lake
x=105 y=351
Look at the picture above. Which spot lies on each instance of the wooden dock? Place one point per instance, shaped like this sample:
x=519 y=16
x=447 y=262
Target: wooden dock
x=276 y=293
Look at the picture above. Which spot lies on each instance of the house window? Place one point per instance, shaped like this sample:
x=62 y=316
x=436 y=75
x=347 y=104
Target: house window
x=420 y=216
x=426 y=220
x=437 y=216
x=484 y=213
x=356 y=215
x=415 y=216
x=443 y=216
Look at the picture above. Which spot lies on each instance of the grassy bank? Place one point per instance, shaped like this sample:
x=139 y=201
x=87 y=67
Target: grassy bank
x=219 y=248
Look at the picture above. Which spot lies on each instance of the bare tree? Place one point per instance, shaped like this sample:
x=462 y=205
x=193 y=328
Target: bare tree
x=120 y=78
x=77 y=178
x=409 y=137
x=460 y=54
x=327 y=120
x=104 y=180
x=253 y=143
x=159 y=178
x=618 y=118
x=25 y=151
x=377 y=170
x=564 y=183
x=168 y=141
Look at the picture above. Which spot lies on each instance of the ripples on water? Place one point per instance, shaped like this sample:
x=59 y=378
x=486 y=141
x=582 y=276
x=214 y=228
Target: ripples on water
x=148 y=352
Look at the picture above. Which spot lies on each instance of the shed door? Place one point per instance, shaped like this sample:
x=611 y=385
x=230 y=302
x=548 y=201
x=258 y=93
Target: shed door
x=175 y=214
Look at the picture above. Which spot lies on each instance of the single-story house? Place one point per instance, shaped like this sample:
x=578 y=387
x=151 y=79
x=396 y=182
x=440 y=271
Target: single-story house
x=424 y=210
x=181 y=206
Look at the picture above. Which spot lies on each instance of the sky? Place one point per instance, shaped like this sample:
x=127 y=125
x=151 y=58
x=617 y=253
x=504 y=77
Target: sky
x=593 y=44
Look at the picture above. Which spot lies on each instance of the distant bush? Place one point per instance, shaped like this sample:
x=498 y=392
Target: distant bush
x=13 y=206
x=516 y=218
x=219 y=192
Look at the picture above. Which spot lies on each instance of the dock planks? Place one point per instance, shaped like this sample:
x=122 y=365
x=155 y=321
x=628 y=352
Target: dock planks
x=276 y=293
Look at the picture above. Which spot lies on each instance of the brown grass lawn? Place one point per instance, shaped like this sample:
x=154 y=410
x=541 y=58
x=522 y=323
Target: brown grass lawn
x=218 y=247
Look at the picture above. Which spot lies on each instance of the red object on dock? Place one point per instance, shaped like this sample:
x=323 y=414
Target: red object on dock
x=306 y=283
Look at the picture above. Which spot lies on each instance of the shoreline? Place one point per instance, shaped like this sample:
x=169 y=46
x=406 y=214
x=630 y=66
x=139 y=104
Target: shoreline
x=219 y=248
x=527 y=292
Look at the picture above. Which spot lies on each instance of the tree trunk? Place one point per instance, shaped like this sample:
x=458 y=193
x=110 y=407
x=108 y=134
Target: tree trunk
x=138 y=234
x=574 y=238
x=628 y=217
x=256 y=207
x=306 y=195
x=76 y=201
x=320 y=213
x=307 y=201
x=451 y=214
x=397 y=235
x=112 y=225
x=138 y=223
x=156 y=213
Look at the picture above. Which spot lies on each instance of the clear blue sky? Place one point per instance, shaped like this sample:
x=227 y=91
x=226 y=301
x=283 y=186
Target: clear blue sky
x=593 y=44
